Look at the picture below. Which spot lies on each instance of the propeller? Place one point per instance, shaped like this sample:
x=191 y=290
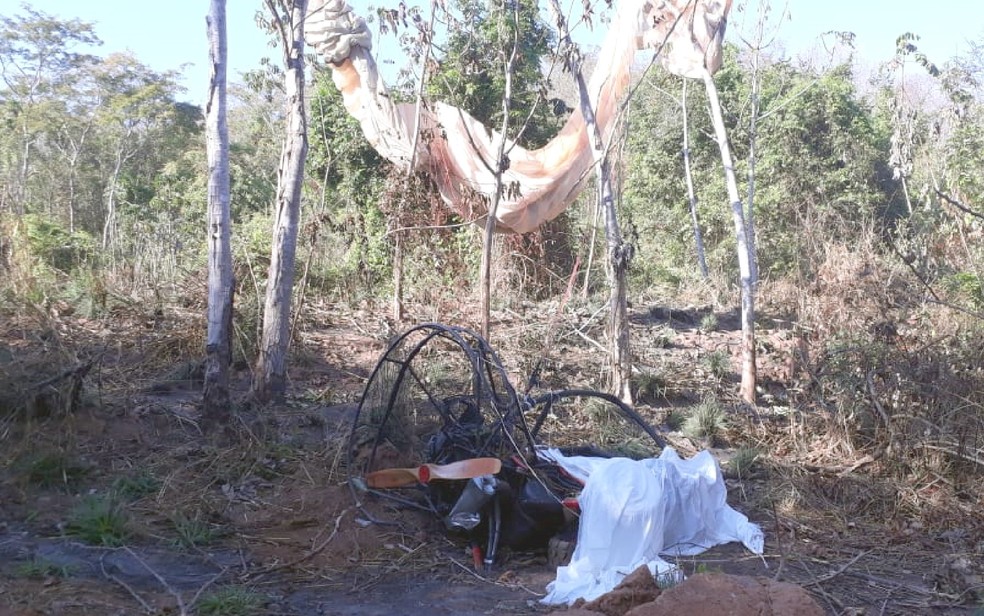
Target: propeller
x=463 y=469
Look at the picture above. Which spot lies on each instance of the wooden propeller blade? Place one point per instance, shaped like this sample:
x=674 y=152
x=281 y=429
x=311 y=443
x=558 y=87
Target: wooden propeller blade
x=463 y=469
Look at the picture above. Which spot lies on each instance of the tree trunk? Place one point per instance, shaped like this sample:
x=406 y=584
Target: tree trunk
x=619 y=253
x=748 y=370
x=109 y=225
x=271 y=369
x=398 y=276
x=501 y=163
x=218 y=344
x=692 y=196
x=752 y=150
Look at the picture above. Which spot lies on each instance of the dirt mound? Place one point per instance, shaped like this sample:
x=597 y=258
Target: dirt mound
x=638 y=588
x=704 y=593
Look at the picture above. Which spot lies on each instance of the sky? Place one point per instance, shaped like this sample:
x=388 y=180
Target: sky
x=169 y=34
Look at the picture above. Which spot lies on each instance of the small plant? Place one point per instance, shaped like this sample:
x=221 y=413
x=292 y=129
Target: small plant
x=709 y=322
x=674 y=420
x=648 y=386
x=100 y=520
x=192 y=531
x=137 y=485
x=53 y=469
x=599 y=412
x=670 y=578
x=705 y=420
x=718 y=363
x=743 y=462
x=231 y=601
x=634 y=448
x=39 y=568
x=663 y=338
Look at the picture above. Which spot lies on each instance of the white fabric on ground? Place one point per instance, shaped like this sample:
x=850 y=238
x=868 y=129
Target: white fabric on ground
x=634 y=511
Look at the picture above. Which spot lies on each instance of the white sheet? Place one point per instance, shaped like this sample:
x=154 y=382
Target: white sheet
x=634 y=511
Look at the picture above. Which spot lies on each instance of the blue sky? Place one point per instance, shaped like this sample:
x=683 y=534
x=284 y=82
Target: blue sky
x=166 y=34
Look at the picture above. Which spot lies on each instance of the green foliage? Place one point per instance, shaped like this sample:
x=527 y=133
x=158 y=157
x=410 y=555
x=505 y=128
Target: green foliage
x=353 y=177
x=675 y=419
x=821 y=163
x=965 y=158
x=56 y=246
x=232 y=601
x=471 y=74
x=100 y=520
x=967 y=285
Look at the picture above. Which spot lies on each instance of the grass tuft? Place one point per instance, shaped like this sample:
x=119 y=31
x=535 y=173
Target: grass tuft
x=192 y=531
x=718 y=363
x=100 y=520
x=40 y=568
x=51 y=469
x=743 y=462
x=705 y=420
x=232 y=601
x=138 y=485
x=709 y=322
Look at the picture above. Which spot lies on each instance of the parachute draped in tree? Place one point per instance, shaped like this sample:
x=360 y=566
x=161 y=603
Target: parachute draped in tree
x=458 y=152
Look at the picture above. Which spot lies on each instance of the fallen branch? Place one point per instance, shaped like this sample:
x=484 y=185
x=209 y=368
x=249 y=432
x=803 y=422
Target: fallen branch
x=949 y=449
x=840 y=570
x=133 y=593
x=163 y=582
x=308 y=556
x=78 y=371
x=215 y=578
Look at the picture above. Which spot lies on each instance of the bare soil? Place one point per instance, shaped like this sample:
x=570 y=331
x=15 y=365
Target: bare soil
x=264 y=508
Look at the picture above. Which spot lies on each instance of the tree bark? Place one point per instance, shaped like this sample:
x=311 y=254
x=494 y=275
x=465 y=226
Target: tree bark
x=619 y=253
x=271 y=369
x=691 y=195
x=398 y=276
x=752 y=152
x=748 y=369
x=218 y=344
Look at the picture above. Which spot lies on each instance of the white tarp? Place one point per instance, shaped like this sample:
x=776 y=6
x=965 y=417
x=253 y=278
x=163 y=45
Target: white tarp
x=634 y=511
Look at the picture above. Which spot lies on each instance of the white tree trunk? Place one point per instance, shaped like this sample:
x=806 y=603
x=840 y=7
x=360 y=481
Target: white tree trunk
x=748 y=370
x=109 y=225
x=691 y=195
x=218 y=343
x=752 y=151
x=271 y=369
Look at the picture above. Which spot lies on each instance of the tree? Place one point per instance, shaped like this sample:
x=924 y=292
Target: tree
x=618 y=252
x=492 y=68
x=218 y=344
x=35 y=58
x=691 y=196
x=745 y=250
x=470 y=75
x=137 y=109
x=287 y=20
